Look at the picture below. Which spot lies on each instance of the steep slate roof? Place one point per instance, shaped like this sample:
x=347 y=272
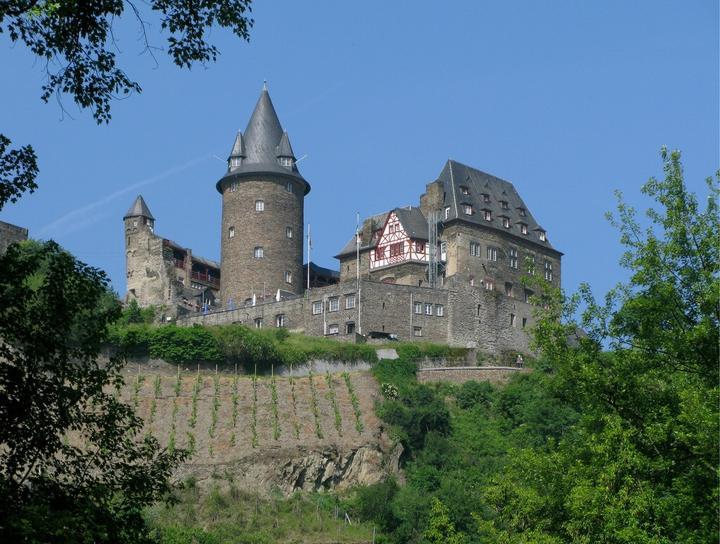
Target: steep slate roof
x=261 y=142
x=322 y=271
x=370 y=224
x=413 y=222
x=455 y=175
x=284 y=149
x=139 y=209
x=238 y=149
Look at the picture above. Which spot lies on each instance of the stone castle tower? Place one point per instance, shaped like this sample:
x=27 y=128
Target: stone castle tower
x=144 y=256
x=263 y=197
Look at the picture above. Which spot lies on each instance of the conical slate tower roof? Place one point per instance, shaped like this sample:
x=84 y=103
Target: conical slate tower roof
x=261 y=144
x=139 y=209
x=284 y=149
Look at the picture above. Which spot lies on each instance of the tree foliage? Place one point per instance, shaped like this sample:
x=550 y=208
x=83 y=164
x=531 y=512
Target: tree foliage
x=75 y=40
x=18 y=170
x=73 y=467
x=641 y=464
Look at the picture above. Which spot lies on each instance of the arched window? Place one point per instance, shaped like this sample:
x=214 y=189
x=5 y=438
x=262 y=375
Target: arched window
x=258 y=253
x=259 y=205
x=231 y=232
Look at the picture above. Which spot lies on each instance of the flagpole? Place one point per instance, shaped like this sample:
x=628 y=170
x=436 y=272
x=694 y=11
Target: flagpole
x=357 y=269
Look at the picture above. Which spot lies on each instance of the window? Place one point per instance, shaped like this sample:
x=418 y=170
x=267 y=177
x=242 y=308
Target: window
x=259 y=205
x=439 y=310
x=513 y=258
x=508 y=289
x=512 y=320
x=231 y=232
x=396 y=249
x=528 y=295
x=333 y=329
x=522 y=212
x=492 y=254
x=548 y=271
x=524 y=322
x=258 y=252
x=472 y=281
x=523 y=228
x=349 y=327
x=487 y=215
x=465 y=190
x=349 y=301
x=418 y=307
x=479 y=308
x=317 y=307
x=443 y=251
x=542 y=236
x=486 y=198
x=234 y=184
x=333 y=304
x=288 y=276
x=417 y=331
x=504 y=205
x=285 y=161
x=258 y=322
x=489 y=284
x=428 y=309
x=467 y=209
x=234 y=163
x=379 y=253
x=506 y=222
x=419 y=247
x=447 y=212
x=288 y=232
x=134 y=222
x=289 y=186
x=280 y=320
x=474 y=249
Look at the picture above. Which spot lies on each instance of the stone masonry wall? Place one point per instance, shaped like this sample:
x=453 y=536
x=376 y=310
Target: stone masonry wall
x=497 y=375
x=9 y=234
x=242 y=273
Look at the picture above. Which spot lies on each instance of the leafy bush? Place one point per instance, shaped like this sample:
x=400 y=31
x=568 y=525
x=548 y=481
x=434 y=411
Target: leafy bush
x=471 y=394
x=184 y=344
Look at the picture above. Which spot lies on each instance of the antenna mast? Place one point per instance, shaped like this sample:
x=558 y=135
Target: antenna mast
x=433 y=218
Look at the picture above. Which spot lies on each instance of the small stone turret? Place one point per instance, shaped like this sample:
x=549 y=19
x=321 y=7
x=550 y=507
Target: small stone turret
x=262 y=220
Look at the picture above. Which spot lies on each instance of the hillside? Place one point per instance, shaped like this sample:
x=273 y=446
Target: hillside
x=268 y=433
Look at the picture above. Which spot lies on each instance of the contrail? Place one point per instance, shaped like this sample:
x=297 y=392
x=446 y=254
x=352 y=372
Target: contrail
x=78 y=219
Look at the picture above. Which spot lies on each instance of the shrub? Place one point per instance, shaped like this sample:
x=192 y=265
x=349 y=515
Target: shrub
x=472 y=393
x=184 y=344
x=241 y=345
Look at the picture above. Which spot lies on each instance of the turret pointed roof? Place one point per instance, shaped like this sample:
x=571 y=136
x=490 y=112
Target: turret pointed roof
x=262 y=143
x=139 y=209
x=238 y=149
x=284 y=149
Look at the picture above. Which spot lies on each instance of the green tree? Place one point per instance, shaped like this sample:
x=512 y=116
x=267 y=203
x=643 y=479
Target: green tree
x=440 y=529
x=75 y=45
x=641 y=464
x=74 y=466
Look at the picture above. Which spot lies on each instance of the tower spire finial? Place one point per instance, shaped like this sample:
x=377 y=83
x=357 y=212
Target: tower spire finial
x=265 y=88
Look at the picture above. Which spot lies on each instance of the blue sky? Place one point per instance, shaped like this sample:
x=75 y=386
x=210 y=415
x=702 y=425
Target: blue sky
x=568 y=100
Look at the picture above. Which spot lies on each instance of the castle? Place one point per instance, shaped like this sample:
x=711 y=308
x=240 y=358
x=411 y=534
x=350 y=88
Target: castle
x=448 y=270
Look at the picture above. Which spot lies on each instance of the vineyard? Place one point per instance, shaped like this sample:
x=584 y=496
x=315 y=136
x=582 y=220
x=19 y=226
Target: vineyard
x=225 y=419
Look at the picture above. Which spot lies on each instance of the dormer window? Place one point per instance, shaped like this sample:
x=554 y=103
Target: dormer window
x=522 y=212
x=504 y=205
x=235 y=162
x=487 y=215
x=542 y=236
x=523 y=228
x=506 y=222
x=464 y=190
x=467 y=209
x=486 y=198
x=287 y=162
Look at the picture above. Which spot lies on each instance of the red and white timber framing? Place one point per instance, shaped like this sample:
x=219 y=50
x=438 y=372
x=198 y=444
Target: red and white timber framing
x=395 y=246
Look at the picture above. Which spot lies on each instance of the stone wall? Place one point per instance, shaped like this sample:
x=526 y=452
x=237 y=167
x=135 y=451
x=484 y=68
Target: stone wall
x=242 y=273
x=9 y=234
x=497 y=375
